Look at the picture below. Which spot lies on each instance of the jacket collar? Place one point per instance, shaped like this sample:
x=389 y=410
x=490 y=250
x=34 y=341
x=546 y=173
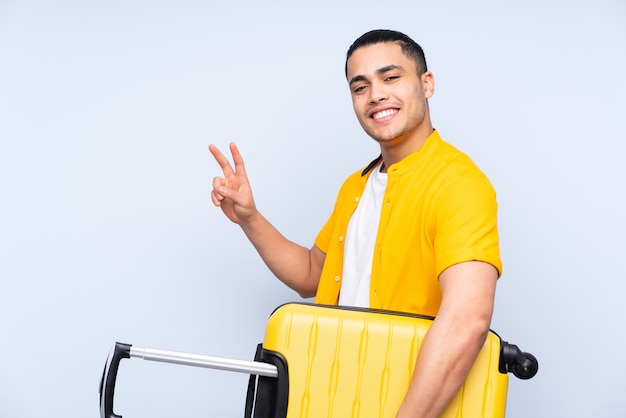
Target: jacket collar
x=431 y=140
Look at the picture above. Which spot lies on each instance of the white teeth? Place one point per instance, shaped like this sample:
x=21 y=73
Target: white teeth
x=384 y=113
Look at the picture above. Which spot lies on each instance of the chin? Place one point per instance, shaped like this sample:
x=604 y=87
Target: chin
x=387 y=137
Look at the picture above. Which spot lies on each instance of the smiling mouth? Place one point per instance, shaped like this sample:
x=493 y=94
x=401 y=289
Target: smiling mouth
x=384 y=113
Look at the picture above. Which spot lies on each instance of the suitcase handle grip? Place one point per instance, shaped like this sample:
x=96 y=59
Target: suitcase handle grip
x=109 y=376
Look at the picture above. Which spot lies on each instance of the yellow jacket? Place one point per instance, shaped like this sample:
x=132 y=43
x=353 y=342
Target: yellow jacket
x=438 y=210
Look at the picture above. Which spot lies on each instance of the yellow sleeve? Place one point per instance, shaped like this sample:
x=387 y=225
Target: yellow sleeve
x=467 y=223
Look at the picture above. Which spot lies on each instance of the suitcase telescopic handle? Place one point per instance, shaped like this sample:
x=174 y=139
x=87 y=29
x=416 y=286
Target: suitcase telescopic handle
x=121 y=351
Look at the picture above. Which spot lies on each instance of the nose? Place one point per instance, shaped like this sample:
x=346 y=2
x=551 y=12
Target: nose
x=378 y=93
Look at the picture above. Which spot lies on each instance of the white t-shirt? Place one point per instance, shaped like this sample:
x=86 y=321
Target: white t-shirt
x=360 y=241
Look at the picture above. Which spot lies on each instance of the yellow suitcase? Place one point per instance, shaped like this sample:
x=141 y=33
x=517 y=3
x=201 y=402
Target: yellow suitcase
x=320 y=361
x=347 y=362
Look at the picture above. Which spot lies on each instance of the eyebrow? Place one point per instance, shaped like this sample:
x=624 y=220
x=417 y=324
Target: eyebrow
x=379 y=71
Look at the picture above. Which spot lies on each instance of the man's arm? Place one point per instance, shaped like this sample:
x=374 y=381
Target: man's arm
x=296 y=266
x=454 y=339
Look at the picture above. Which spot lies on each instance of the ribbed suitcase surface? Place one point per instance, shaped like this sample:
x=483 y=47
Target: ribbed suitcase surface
x=358 y=363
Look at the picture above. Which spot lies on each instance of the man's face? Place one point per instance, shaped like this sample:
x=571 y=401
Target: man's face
x=389 y=98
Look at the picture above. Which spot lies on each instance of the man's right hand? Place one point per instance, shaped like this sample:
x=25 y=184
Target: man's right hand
x=298 y=267
x=232 y=192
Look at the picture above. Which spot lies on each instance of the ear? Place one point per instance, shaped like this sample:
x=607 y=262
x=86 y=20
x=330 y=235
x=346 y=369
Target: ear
x=428 y=84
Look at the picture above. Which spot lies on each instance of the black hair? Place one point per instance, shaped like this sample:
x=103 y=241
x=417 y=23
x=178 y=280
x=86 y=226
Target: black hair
x=410 y=48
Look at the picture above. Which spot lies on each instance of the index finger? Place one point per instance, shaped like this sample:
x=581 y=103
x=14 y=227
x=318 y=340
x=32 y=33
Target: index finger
x=221 y=160
x=238 y=160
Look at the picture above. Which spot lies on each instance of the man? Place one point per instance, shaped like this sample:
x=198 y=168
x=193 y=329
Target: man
x=413 y=231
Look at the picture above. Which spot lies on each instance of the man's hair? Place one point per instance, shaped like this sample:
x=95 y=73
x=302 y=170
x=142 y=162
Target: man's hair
x=410 y=48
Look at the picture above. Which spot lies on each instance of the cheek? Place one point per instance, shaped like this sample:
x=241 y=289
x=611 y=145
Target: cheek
x=357 y=105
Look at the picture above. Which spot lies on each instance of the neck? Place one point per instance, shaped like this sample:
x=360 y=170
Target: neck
x=395 y=151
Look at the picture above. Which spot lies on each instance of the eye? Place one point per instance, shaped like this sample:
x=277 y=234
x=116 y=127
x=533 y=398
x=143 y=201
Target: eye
x=392 y=77
x=359 y=89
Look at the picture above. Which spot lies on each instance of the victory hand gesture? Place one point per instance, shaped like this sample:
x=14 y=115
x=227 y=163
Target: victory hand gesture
x=232 y=192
